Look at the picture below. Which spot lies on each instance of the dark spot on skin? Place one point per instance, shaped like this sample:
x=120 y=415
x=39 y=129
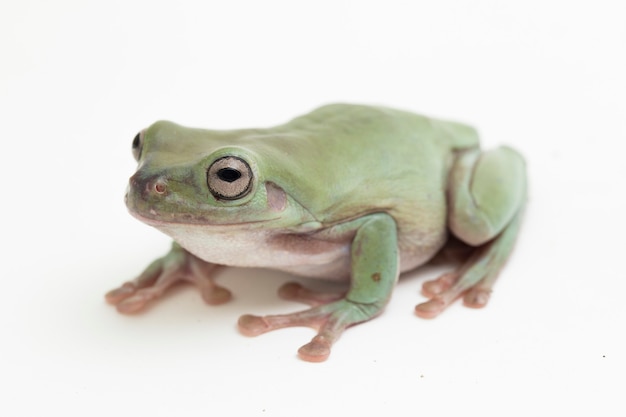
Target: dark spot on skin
x=376 y=276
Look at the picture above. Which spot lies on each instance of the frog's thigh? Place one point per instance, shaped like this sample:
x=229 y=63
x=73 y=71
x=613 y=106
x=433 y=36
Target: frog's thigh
x=486 y=189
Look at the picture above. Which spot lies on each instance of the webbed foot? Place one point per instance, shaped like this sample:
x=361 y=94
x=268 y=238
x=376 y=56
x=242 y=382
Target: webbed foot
x=330 y=320
x=178 y=265
x=474 y=280
x=447 y=288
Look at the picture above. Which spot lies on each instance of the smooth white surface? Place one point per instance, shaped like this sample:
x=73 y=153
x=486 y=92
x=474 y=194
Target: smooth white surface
x=79 y=79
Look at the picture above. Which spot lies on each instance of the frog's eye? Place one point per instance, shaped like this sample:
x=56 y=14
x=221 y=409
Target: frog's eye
x=229 y=178
x=138 y=145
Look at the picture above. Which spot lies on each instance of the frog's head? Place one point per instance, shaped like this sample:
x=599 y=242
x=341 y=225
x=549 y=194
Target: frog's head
x=199 y=177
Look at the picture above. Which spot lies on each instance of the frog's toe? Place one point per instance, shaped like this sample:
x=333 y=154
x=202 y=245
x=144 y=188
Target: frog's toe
x=131 y=305
x=250 y=325
x=477 y=297
x=291 y=291
x=431 y=308
x=215 y=295
x=317 y=350
x=138 y=300
x=437 y=286
x=294 y=291
x=119 y=294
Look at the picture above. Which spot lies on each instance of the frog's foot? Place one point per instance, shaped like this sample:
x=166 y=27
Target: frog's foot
x=293 y=291
x=474 y=280
x=330 y=320
x=178 y=265
x=450 y=286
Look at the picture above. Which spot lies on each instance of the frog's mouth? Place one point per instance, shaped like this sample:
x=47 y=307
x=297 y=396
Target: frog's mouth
x=159 y=221
x=177 y=213
x=152 y=201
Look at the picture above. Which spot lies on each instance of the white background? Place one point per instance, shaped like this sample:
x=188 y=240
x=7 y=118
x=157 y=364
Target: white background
x=78 y=79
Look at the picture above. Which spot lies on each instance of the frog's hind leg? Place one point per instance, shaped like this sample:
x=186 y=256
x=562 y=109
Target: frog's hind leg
x=486 y=193
x=474 y=279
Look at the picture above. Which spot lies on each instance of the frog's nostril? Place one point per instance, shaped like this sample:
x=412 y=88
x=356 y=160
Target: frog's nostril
x=146 y=186
x=159 y=186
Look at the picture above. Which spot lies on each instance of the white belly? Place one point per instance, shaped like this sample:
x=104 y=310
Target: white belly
x=300 y=254
x=233 y=246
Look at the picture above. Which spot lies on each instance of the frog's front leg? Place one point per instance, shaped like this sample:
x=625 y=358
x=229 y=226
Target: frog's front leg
x=487 y=192
x=178 y=265
x=374 y=261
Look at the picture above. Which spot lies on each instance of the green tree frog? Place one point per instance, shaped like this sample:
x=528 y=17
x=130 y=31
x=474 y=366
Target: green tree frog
x=347 y=192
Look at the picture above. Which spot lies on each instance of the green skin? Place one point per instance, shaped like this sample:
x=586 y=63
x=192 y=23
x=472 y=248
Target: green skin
x=347 y=192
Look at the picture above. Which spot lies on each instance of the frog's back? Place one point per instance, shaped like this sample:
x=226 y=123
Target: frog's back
x=347 y=118
x=348 y=159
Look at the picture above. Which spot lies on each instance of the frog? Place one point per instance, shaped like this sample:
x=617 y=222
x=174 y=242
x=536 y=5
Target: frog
x=351 y=193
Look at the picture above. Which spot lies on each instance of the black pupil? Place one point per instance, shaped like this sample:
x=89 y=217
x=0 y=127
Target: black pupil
x=228 y=174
